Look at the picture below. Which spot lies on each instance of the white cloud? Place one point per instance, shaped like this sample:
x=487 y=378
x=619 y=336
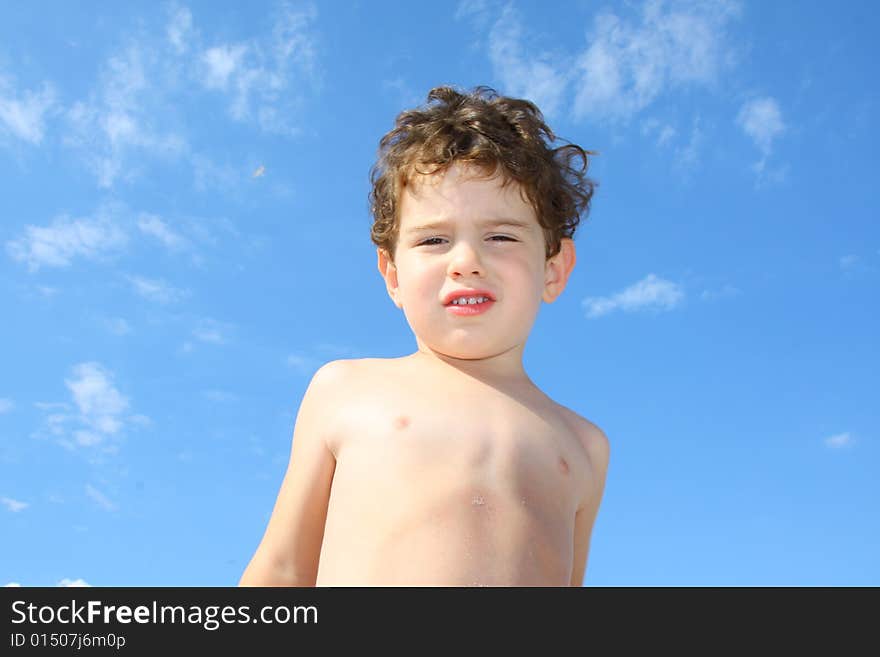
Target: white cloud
x=100 y=404
x=839 y=441
x=13 y=505
x=220 y=396
x=152 y=225
x=212 y=331
x=849 y=262
x=664 y=132
x=180 y=30
x=117 y=325
x=651 y=293
x=23 y=115
x=476 y=10
x=303 y=364
x=541 y=78
x=12 y=584
x=263 y=75
x=99 y=414
x=628 y=65
x=6 y=405
x=73 y=583
x=157 y=290
x=761 y=120
x=136 y=111
x=726 y=290
x=64 y=239
x=687 y=156
x=220 y=63
x=119 y=118
x=100 y=499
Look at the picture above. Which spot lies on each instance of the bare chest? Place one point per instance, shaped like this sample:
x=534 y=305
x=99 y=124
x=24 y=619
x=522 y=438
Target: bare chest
x=479 y=445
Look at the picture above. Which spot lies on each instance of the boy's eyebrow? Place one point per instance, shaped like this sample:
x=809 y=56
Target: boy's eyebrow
x=516 y=223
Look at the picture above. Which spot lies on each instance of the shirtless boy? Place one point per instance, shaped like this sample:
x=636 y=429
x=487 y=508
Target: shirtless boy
x=449 y=467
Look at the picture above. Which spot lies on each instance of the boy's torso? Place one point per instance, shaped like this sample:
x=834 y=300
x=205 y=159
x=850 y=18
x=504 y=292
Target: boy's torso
x=445 y=480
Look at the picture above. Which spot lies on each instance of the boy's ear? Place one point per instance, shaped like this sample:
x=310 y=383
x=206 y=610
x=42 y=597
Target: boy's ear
x=389 y=273
x=558 y=269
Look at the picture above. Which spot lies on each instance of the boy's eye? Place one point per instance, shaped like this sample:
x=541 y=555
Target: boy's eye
x=430 y=242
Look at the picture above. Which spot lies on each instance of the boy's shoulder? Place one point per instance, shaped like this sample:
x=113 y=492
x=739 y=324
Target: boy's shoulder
x=342 y=369
x=591 y=436
x=345 y=373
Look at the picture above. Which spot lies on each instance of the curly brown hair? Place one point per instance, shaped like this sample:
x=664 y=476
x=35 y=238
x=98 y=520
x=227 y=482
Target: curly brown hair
x=485 y=130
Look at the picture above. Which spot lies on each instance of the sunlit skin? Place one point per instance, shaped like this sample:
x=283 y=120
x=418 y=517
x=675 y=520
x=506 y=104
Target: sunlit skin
x=448 y=466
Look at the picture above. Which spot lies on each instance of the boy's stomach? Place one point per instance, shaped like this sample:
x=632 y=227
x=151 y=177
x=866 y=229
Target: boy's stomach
x=443 y=533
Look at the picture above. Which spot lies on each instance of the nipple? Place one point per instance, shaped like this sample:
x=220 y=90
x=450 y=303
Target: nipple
x=563 y=466
x=402 y=422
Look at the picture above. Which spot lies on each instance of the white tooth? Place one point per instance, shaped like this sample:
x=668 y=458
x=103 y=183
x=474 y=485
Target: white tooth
x=471 y=301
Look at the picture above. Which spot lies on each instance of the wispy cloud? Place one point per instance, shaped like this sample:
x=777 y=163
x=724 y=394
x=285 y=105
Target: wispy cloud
x=13 y=505
x=649 y=294
x=539 y=77
x=97 y=414
x=687 y=156
x=151 y=225
x=212 y=331
x=157 y=290
x=6 y=405
x=849 y=262
x=221 y=63
x=179 y=30
x=839 y=441
x=23 y=114
x=121 y=117
x=117 y=325
x=134 y=114
x=761 y=120
x=73 y=583
x=660 y=132
x=260 y=75
x=100 y=499
x=65 y=238
x=303 y=364
x=724 y=292
x=100 y=404
x=220 y=396
x=629 y=64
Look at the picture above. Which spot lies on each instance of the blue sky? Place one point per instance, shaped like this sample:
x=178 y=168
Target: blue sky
x=184 y=240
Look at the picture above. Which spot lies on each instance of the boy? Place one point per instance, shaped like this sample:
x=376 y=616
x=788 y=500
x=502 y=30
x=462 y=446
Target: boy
x=449 y=466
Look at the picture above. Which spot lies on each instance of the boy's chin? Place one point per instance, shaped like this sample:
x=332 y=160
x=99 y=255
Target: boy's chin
x=462 y=353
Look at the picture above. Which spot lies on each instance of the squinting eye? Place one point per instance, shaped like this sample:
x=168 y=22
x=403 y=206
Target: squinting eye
x=504 y=237
x=428 y=240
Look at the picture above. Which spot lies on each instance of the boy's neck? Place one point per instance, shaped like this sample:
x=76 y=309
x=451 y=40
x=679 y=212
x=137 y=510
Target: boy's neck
x=502 y=369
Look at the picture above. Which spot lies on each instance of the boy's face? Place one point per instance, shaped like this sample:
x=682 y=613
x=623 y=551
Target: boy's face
x=471 y=248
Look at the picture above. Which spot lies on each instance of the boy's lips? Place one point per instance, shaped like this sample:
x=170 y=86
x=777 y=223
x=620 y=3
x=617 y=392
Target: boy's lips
x=455 y=294
x=470 y=308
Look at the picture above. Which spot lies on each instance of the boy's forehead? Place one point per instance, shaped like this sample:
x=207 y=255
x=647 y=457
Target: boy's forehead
x=463 y=186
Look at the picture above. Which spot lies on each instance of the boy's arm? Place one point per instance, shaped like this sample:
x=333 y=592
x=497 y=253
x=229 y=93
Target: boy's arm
x=289 y=550
x=598 y=450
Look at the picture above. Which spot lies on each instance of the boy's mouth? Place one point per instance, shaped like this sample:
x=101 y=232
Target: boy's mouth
x=466 y=308
x=468 y=297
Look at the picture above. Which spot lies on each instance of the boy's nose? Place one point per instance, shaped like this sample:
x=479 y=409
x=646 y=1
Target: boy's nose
x=465 y=260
